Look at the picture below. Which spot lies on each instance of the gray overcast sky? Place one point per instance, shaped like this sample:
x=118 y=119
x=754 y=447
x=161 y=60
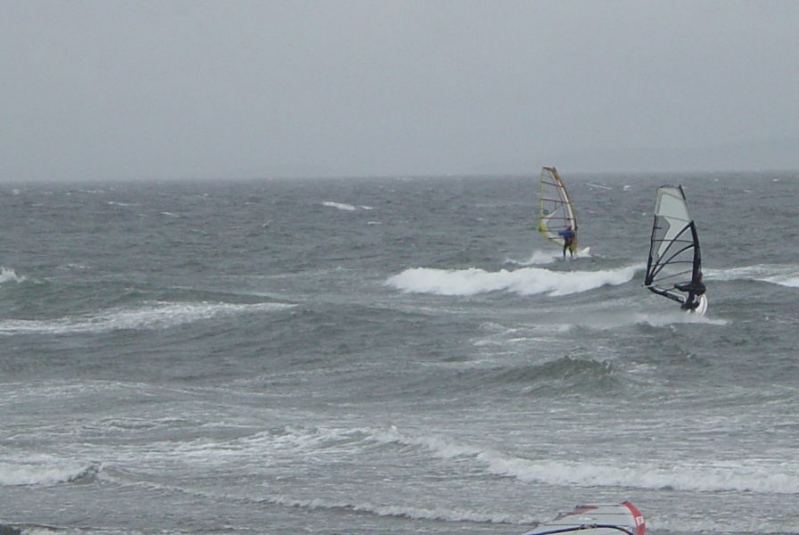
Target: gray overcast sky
x=172 y=89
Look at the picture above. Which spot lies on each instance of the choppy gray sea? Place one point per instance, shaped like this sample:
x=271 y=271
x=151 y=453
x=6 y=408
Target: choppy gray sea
x=391 y=355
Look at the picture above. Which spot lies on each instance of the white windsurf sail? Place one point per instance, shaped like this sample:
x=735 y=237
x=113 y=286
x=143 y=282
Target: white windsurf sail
x=555 y=208
x=674 y=267
x=598 y=519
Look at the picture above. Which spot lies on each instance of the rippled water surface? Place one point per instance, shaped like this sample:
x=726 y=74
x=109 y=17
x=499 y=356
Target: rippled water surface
x=391 y=356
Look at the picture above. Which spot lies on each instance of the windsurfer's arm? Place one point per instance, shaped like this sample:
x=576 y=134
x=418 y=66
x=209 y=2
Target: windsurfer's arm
x=700 y=288
x=697 y=288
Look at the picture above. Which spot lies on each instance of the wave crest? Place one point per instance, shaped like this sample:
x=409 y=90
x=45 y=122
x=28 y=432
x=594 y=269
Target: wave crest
x=526 y=281
x=46 y=471
x=9 y=275
x=781 y=274
x=741 y=476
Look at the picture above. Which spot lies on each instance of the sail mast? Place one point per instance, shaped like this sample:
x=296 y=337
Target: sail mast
x=555 y=208
x=674 y=265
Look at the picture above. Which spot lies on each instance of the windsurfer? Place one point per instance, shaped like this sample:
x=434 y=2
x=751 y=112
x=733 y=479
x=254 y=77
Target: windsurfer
x=568 y=236
x=695 y=290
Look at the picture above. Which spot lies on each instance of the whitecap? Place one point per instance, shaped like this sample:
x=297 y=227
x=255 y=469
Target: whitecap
x=9 y=275
x=744 y=475
x=781 y=274
x=526 y=281
x=339 y=205
x=45 y=470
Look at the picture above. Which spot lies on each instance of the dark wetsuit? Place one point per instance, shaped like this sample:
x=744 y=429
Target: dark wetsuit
x=694 y=291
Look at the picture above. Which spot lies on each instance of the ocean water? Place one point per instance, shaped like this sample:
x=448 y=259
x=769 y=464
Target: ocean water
x=391 y=355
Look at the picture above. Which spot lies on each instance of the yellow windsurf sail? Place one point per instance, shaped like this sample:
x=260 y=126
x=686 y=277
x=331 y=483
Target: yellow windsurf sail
x=555 y=208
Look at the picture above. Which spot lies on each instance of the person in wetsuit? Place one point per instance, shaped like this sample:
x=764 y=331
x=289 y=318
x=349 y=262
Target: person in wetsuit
x=568 y=236
x=694 y=291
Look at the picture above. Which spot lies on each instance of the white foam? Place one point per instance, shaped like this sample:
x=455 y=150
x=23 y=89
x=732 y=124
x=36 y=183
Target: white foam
x=675 y=316
x=447 y=514
x=409 y=511
x=339 y=205
x=744 y=475
x=9 y=275
x=740 y=476
x=615 y=318
x=43 y=470
x=790 y=282
x=526 y=281
x=159 y=315
x=346 y=207
x=781 y=274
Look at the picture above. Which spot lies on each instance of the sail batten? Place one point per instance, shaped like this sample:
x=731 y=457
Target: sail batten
x=555 y=208
x=674 y=245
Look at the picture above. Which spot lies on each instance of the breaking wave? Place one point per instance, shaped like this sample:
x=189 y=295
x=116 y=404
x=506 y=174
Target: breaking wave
x=743 y=475
x=780 y=274
x=9 y=275
x=46 y=470
x=526 y=281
